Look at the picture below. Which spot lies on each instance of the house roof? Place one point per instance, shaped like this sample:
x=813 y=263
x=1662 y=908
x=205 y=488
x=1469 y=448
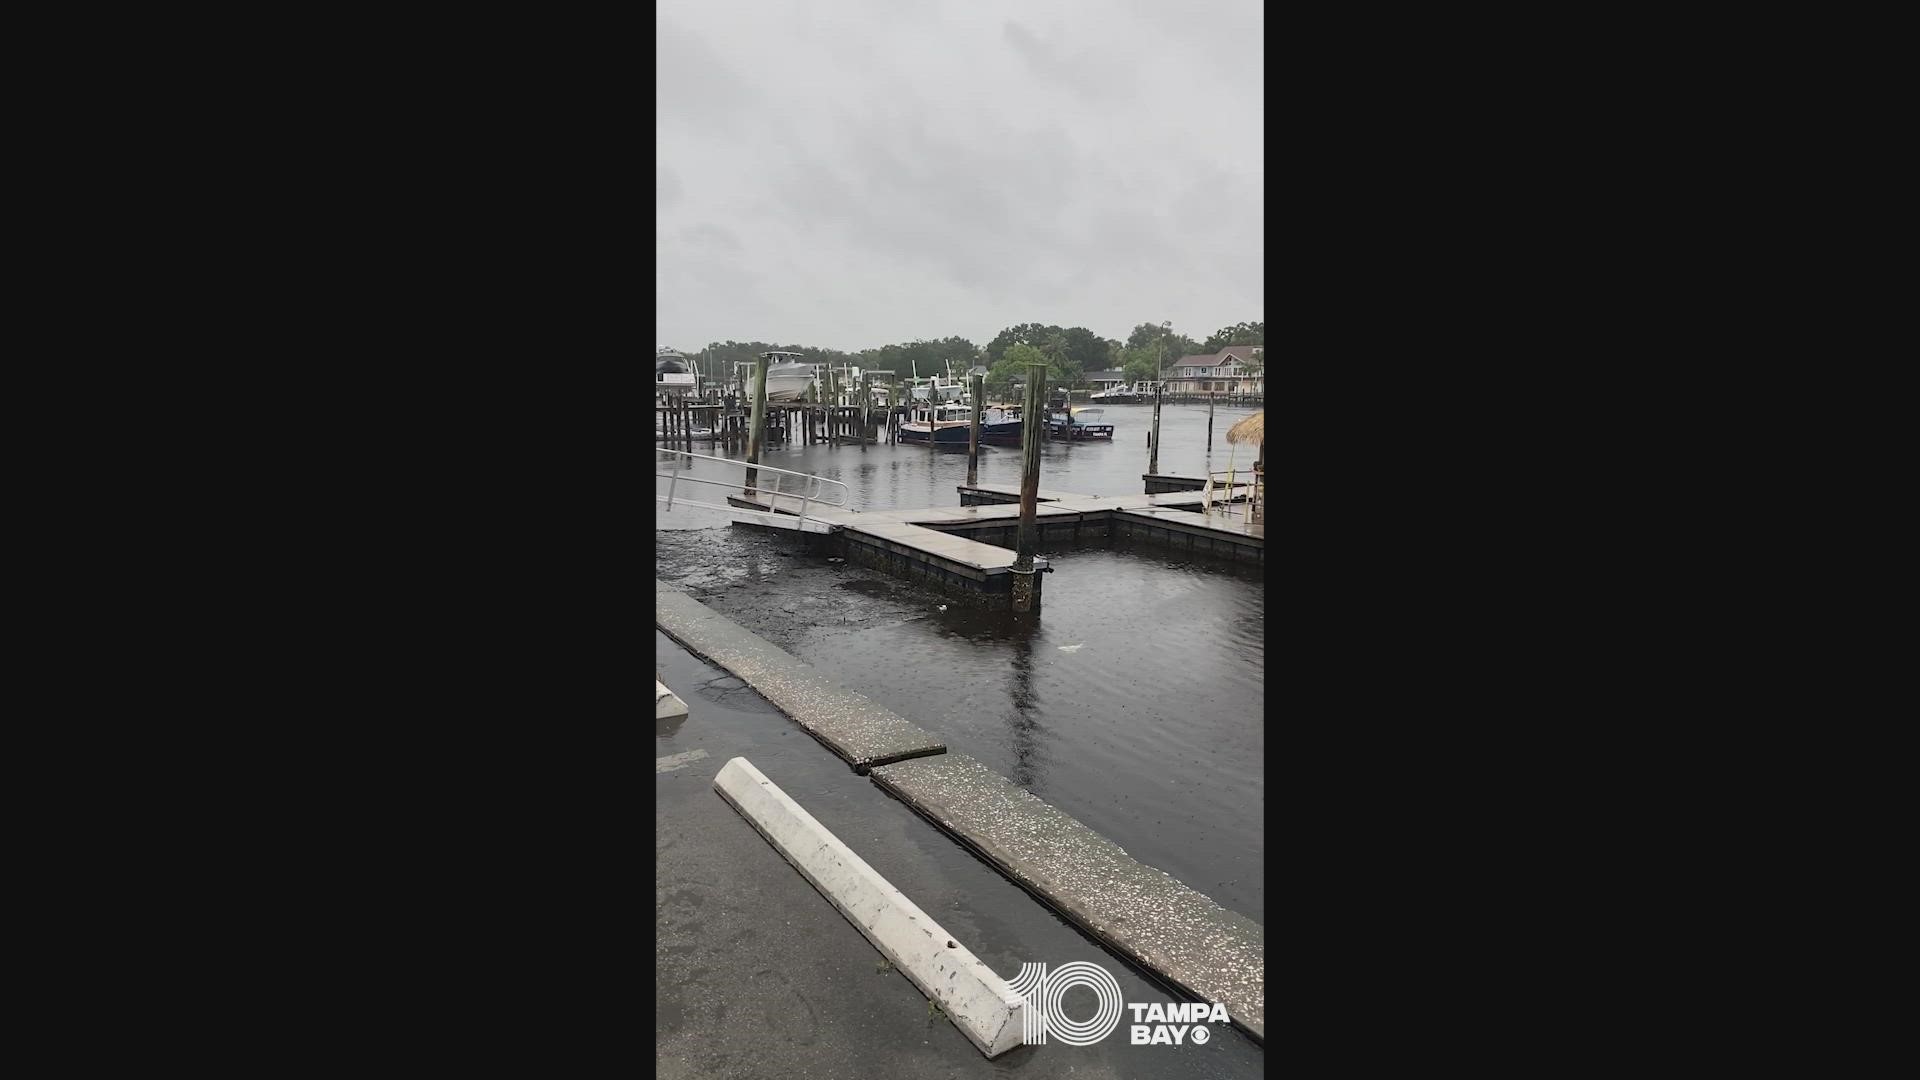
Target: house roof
x=1114 y=375
x=1231 y=352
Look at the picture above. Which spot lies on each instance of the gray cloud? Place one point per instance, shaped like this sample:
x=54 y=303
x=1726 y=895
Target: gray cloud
x=864 y=172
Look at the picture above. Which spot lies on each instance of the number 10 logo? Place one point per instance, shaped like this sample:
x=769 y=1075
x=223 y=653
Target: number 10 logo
x=1044 y=991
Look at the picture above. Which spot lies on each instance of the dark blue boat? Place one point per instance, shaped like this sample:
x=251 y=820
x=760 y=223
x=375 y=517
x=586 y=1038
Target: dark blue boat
x=1000 y=425
x=1075 y=425
x=944 y=431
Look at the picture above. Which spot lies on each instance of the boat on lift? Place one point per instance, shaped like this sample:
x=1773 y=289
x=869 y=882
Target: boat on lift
x=672 y=374
x=787 y=378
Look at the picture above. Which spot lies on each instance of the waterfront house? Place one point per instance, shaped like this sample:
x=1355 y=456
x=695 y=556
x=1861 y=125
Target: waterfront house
x=1224 y=372
x=1106 y=380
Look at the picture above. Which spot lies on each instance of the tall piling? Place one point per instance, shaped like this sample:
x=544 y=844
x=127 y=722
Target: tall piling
x=973 y=433
x=866 y=410
x=756 y=423
x=1209 y=425
x=829 y=399
x=1026 y=590
x=1153 y=437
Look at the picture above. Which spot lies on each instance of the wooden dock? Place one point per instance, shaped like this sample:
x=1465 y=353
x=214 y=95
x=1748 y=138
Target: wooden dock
x=1168 y=518
x=886 y=540
x=727 y=421
x=967 y=551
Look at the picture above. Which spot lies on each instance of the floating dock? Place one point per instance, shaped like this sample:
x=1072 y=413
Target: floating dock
x=1170 y=517
x=966 y=551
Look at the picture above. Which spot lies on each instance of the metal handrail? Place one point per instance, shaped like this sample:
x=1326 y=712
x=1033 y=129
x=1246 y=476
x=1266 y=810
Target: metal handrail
x=815 y=492
x=1214 y=478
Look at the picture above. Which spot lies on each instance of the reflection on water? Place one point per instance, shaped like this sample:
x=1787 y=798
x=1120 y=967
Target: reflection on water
x=1022 y=723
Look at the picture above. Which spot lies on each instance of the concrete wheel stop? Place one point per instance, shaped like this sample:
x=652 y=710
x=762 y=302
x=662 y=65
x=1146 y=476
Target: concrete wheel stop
x=981 y=1004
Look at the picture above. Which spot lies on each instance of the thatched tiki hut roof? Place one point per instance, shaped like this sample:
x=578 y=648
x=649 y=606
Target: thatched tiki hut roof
x=1254 y=430
x=1251 y=430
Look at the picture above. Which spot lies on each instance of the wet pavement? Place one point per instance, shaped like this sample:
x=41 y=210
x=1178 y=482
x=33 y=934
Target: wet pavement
x=758 y=975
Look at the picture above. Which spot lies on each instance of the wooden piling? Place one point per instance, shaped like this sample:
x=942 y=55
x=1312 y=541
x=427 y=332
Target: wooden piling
x=757 y=423
x=1026 y=594
x=1153 y=437
x=973 y=432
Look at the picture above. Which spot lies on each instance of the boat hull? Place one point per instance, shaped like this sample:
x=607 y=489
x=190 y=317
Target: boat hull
x=1080 y=432
x=786 y=387
x=1008 y=433
x=944 y=435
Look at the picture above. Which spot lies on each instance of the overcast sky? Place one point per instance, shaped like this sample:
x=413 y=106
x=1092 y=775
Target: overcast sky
x=850 y=173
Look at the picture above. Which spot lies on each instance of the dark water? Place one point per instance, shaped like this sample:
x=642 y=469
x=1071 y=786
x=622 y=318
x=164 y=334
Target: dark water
x=1132 y=703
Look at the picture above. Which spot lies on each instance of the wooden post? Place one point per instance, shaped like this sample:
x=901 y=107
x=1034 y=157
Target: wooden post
x=866 y=408
x=973 y=433
x=757 y=422
x=1026 y=592
x=1153 y=437
x=1209 y=425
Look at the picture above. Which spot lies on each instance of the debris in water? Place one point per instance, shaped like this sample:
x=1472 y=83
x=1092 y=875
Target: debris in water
x=1073 y=648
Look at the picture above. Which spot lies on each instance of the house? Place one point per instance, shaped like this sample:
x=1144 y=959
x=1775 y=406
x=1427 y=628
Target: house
x=1106 y=380
x=1216 y=373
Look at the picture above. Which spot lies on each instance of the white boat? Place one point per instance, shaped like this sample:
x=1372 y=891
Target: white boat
x=787 y=377
x=1124 y=394
x=671 y=372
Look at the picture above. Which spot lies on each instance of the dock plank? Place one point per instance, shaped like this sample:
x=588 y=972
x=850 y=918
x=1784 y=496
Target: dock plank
x=1216 y=523
x=983 y=557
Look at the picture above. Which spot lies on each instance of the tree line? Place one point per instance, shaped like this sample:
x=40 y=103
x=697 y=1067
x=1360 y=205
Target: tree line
x=1069 y=353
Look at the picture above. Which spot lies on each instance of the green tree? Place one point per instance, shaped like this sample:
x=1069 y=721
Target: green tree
x=1166 y=345
x=1141 y=365
x=1023 y=334
x=1013 y=365
x=1246 y=333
